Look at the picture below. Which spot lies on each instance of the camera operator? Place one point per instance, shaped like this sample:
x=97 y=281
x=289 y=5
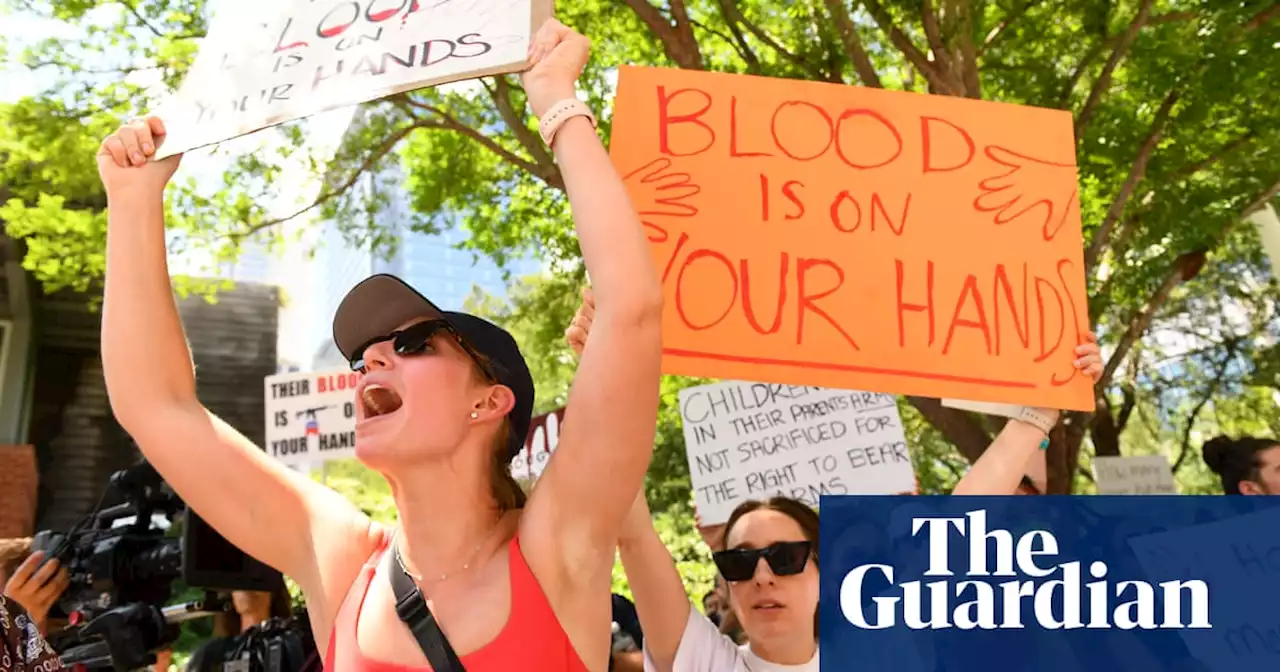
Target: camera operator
x=22 y=647
x=232 y=630
x=32 y=583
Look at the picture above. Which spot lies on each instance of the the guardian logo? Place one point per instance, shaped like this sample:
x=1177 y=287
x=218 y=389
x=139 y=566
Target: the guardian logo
x=1054 y=603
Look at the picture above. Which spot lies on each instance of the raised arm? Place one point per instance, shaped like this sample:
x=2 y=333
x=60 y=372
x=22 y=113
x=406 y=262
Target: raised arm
x=661 y=601
x=1015 y=452
x=573 y=517
x=280 y=517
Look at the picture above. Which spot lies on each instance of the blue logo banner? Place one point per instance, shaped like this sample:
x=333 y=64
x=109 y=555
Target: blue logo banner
x=1050 y=584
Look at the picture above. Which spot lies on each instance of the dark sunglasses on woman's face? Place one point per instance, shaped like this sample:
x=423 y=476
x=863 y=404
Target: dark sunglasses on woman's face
x=411 y=340
x=785 y=558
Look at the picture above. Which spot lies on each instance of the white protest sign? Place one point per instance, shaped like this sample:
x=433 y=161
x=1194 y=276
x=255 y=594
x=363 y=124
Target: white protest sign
x=311 y=417
x=539 y=444
x=267 y=63
x=1133 y=475
x=1239 y=558
x=756 y=440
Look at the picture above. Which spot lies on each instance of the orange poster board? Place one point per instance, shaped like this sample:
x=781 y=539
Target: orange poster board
x=819 y=234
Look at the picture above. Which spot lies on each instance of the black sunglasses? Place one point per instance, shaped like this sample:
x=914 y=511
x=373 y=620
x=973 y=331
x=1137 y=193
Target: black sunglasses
x=785 y=558
x=413 y=340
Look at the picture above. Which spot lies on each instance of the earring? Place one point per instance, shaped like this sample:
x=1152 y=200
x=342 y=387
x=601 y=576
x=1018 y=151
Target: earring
x=474 y=415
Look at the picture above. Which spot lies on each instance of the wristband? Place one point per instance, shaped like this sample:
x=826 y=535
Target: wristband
x=1037 y=418
x=1044 y=445
x=563 y=111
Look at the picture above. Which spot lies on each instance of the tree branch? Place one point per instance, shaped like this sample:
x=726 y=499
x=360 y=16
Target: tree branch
x=1183 y=268
x=933 y=35
x=1261 y=201
x=501 y=96
x=373 y=157
x=1009 y=19
x=956 y=426
x=1222 y=152
x=1103 y=82
x=1136 y=173
x=733 y=15
x=131 y=7
x=862 y=65
x=904 y=44
x=1262 y=17
x=1126 y=410
x=550 y=177
x=1209 y=392
x=969 y=73
x=678 y=41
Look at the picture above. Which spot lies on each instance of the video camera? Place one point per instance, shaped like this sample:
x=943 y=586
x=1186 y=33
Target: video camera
x=122 y=562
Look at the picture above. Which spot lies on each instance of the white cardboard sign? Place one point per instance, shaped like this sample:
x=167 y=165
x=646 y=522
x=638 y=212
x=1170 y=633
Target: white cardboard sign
x=1133 y=475
x=266 y=63
x=544 y=436
x=1239 y=558
x=311 y=417
x=756 y=440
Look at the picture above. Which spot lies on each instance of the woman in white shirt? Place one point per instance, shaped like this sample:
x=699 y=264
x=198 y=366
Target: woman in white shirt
x=770 y=562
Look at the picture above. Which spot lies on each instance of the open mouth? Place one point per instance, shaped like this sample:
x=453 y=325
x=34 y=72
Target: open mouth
x=379 y=400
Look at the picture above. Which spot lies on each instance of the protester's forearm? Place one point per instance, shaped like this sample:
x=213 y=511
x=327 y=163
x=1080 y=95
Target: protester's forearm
x=609 y=231
x=144 y=351
x=661 y=602
x=1002 y=466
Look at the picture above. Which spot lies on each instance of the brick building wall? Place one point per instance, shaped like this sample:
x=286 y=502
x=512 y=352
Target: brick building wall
x=78 y=444
x=18 y=481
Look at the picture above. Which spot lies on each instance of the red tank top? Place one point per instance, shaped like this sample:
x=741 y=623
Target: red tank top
x=531 y=620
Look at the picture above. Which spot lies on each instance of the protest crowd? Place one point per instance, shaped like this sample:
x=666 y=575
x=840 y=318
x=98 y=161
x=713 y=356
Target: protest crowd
x=483 y=572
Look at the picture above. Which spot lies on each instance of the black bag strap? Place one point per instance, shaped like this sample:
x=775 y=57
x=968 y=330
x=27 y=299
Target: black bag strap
x=412 y=609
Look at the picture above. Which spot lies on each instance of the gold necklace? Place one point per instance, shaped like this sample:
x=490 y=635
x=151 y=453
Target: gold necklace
x=467 y=565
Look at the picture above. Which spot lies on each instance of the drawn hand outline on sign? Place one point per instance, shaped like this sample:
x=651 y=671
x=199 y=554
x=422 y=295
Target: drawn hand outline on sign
x=990 y=188
x=661 y=179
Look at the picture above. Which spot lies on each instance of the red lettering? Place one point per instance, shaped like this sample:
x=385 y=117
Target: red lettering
x=666 y=272
x=926 y=308
x=782 y=296
x=733 y=132
x=1023 y=330
x=893 y=130
x=826 y=119
x=878 y=206
x=336 y=383
x=280 y=45
x=1075 y=320
x=382 y=15
x=339 y=28
x=837 y=220
x=789 y=191
x=927 y=145
x=806 y=301
x=733 y=295
x=1044 y=354
x=666 y=120
x=970 y=289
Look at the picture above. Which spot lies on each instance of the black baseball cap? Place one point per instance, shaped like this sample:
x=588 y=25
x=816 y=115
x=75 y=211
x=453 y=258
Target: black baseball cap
x=379 y=304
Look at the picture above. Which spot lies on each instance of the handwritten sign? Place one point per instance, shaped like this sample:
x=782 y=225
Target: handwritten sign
x=756 y=440
x=544 y=436
x=821 y=234
x=311 y=417
x=270 y=62
x=1133 y=475
x=1240 y=562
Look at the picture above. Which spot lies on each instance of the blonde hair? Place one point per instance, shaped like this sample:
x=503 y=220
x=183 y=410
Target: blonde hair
x=505 y=488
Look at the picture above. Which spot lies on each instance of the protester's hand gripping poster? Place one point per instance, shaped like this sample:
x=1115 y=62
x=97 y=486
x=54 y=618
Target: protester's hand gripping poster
x=756 y=440
x=264 y=64
x=819 y=234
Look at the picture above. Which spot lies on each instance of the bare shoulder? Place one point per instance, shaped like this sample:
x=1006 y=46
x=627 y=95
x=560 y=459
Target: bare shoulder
x=343 y=543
